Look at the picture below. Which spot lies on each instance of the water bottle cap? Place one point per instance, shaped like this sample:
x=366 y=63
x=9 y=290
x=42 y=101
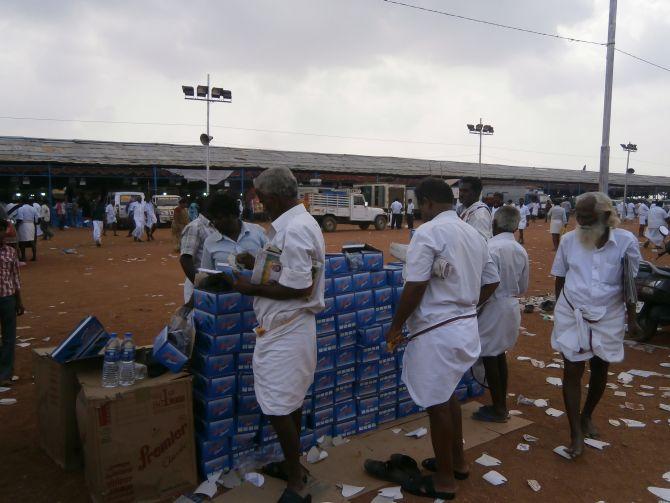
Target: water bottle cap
x=127 y=335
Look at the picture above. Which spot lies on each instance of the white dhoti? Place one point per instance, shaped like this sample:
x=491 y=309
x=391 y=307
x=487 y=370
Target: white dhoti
x=138 y=231
x=582 y=333
x=284 y=364
x=522 y=225
x=654 y=235
x=26 y=232
x=188 y=290
x=38 y=230
x=97 y=230
x=434 y=362
x=643 y=220
x=499 y=322
x=555 y=226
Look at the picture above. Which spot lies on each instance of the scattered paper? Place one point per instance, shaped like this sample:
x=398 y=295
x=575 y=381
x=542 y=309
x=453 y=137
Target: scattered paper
x=661 y=492
x=255 y=478
x=633 y=406
x=528 y=334
x=554 y=366
x=664 y=406
x=611 y=385
x=23 y=328
x=208 y=487
x=539 y=364
x=523 y=358
x=523 y=447
x=530 y=438
x=665 y=364
x=554 y=412
x=562 y=451
x=418 y=433
x=348 y=491
x=3 y=389
x=646 y=386
x=645 y=394
x=325 y=440
x=541 y=403
x=382 y=499
x=393 y=493
x=515 y=412
x=666 y=476
x=619 y=393
x=14 y=378
x=596 y=444
x=314 y=455
x=230 y=480
x=642 y=373
x=23 y=344
x=624 y=377
x=494 y=478
x=339 y=440
x=632 y=423
x=554 y=381
x=7 y=401
x=46 y=339
x=534 y=485
x=396 y=430
x=486 y=460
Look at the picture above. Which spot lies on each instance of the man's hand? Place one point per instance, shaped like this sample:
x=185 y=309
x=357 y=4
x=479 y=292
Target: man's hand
x=393 y=338
x=246 y=259
x=20 y=309
x=242 y=284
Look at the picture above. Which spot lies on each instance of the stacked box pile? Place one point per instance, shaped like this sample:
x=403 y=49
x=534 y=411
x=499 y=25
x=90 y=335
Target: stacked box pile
x=357 y=384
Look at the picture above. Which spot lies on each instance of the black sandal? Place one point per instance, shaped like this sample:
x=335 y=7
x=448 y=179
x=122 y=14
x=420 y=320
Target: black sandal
x=398 y=469
x=431 y=465
x=425 y=486
x=276 y=470
x=289 y=496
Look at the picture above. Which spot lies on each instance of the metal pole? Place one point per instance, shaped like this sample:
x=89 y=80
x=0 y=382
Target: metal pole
x=625 y=182
x=480 y=147
x=207 y=146
x=603 y=181
x=50 y=197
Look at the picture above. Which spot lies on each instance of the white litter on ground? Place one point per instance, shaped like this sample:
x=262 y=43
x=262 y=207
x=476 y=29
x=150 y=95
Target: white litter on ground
x=349 y=491
x=596 y=444
x=554 y=412
x=487 y=460
x=534 y=485
x=494 y=478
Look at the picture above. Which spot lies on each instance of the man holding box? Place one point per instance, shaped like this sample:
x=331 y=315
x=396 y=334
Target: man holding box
x=285 y=353
x=449 y=272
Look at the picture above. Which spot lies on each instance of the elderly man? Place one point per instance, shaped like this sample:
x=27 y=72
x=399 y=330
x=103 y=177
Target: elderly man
x=557 y=220
x=449 y=271
x=285 y=354
x=657 y=217
x=192 y=242
x=590 y=312
x=643 y=213
x=499 y=318
x=475 y=212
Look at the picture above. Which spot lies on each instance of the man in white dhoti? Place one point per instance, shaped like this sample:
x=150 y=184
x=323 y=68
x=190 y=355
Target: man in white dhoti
x=150 y=219
x=557 y=220
x=621 y=210
x=98 y=217
x=449 y=271
x=25 y=230
x=110 y=219
x=643 y=213
x=285 y=354
x=657 y=217
x=500 y=317
x=590 y=311
x=138 y=217
x=475 y=212
x=630 y=211
x=524 y=214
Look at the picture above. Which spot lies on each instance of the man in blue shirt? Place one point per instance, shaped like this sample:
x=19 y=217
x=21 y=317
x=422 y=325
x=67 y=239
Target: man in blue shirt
x=232 y=236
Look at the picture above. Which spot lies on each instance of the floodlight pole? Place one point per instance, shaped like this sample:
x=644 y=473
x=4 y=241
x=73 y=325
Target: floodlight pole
x=628 y=148
x=480 y=147
x=603 y=181
x=207 y=146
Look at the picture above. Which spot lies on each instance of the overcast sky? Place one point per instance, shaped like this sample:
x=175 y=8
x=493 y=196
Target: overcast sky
x=343 y=68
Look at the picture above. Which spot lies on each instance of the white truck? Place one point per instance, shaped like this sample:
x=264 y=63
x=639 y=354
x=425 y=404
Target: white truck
x=341 y=206
x=165 y=206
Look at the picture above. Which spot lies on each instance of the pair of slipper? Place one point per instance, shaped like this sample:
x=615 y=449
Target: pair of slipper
x=403 y=470
x=276 y=470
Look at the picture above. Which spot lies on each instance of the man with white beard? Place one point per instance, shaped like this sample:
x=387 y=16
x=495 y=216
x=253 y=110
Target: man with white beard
x=590 y=312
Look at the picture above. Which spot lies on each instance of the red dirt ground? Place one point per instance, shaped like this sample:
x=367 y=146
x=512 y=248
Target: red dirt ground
x=135 y=287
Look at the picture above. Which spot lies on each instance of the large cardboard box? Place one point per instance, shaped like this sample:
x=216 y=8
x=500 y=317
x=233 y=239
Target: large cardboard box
x=138 y=442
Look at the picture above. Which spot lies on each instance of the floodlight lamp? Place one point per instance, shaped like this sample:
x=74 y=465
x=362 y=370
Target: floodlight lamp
x=188 y=90
x=471 y=127
x=227 y=94
x=25 y=181
x=633 y=147
x=202 y=91
x=488 y=129
x=624 y=146
x=630 y=171
x=478 y=127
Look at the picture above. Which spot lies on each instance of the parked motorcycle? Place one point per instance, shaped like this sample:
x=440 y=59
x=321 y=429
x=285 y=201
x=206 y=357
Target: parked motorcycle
x=653 y=288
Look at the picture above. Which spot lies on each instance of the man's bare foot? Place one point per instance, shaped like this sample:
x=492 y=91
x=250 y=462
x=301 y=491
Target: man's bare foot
x=588 y=428
x=576 y=446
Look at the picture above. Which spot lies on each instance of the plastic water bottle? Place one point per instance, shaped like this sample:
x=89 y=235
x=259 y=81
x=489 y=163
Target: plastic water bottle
x=110 y=367
x=127 y=364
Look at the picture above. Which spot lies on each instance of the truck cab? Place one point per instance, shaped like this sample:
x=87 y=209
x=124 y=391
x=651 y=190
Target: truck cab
x=165 y=206
x=333 y=206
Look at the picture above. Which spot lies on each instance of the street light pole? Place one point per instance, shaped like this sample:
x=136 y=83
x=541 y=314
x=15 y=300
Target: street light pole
x=629 y=147
x=480 y=150
x=207 y=145
x=603 y=181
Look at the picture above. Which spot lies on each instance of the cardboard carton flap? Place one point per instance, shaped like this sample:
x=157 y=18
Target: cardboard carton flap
x=90 y=381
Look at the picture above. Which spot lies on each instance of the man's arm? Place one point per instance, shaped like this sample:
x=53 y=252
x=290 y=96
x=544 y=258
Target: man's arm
x=411 y=297
x=273 y=291
x=486 y=291
x=188 y=266
x=558 y=286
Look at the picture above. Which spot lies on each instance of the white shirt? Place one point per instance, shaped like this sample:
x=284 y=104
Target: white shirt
x=469 y=266
x=478 y=215
x=410 y=209
x=536 y=208
x=111 y=213
x=619 y=208
x=558 y=213
x=26 y=213
x=132 y=206
x=396 y=207
x=217 y=247
x=38 y=210
x=657 y=216
x=594 y=278
x=643 y=210
x=631 y=209
x=524 y=212
x=511 y=261
x=45 y=213
x=299 y=237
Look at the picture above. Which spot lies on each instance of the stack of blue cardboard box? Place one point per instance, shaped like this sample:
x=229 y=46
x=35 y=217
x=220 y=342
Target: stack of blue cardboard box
x=357 y=383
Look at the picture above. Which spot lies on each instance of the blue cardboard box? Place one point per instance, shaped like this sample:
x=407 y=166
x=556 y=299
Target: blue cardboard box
x=324 y=380
x=249 y=321
x=242 y=441
x=215 y=430
x=211 y=324
x=367 y=405
x=383 y=296
x=323 y=431
x=365 y=318
x=346 y=357
x=370 y=336
x=347 y=338
x=205 y=301
x=245 y=362
x=387 y=363
x=221 y=303
x=343 y=284
x=247 y=303
x=384 y=313
x=325 y=325
x=378 y=279
x=354 y=261
x=307 y=440
x=366 y=423
x=214 y=465
x=329 y=309
x=247 y=342
x=326 y=343
x=322 y=417
x=213 y=409
x=163 y=351
x=328 y=287
x=245 y=384
x=364 y=299
x=344 y=411
x=387 y=382
x=248 y=423
x=324 y=398
x=344 y=303
x=345 y=428
x=461 y=393
x=367 y=370
x=345 y=375
x=403 y=393
x=366 y=354
x=365 y=388
x=210 y=449
x=346 y=321
x=345 y=392
x=336 y=264
x=247 y=404
x=386 y=415
x=406 y=408
x=394 y=276
x=213 y=365
x=243 y=458
x=373 y=260
x=361 y=281
x=219 y=345
x=215 y=387
x=325 y=361
x=397 y=293
x=388 y=398
x=268 y=434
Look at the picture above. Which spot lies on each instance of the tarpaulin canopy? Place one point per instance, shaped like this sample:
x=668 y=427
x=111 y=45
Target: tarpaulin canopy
x=200 y=175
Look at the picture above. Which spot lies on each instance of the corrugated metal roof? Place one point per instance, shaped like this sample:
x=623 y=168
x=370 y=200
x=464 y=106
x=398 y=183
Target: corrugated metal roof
x=19 y=149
